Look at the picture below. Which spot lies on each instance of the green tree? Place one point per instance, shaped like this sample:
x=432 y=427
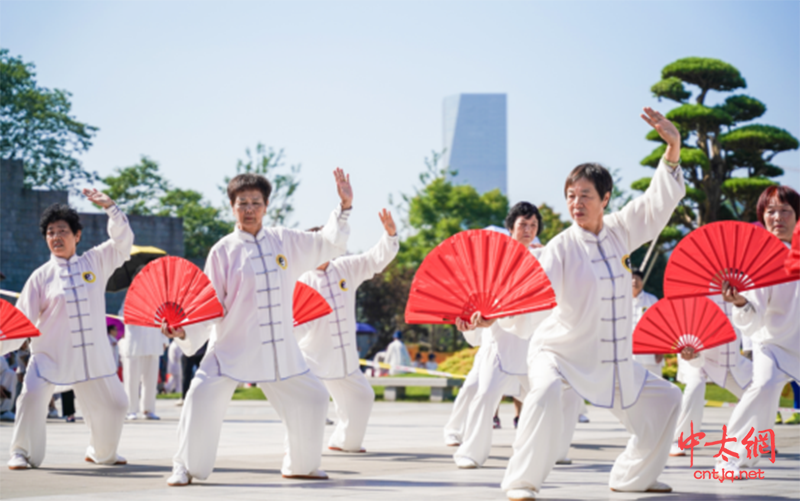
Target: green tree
x=440 y=209
x=270 y=164
x=203 y=224
x=552 y=224
x=726 y=161
x=137 y=189
x=36 y=127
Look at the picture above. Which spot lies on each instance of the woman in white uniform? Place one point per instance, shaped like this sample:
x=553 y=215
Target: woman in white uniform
x=505 y=363
x=585 y=341
x=455 y=427
x=329 y=343
x=65 y=299
x=254 y=271
x=723 y=365
x=771 y=316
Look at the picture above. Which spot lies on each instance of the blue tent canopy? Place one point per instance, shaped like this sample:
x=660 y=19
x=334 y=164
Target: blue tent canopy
x=365 y=328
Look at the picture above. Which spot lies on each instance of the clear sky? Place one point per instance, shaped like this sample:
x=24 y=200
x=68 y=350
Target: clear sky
x=360 y=84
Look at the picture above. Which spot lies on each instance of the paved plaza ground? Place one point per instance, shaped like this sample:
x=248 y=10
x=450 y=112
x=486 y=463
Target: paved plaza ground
x=407 y=460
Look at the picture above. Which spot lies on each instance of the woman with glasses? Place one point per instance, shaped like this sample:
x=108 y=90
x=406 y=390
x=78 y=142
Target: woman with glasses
x=65 y=299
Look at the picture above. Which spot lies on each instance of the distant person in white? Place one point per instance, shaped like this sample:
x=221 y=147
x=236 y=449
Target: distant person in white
x=641 y=302
x=8 y=390
x=175 y=382
x=771 y=316
x=397 y=354
x=329 y=343
x=139 y=350
x=455 y=427
x=431 y=364
x=254 y=271
x=65 y=299
x=585 y=341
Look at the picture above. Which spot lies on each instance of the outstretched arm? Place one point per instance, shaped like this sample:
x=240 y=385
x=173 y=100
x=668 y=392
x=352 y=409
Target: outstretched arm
x=361 y=267
x=115 y=251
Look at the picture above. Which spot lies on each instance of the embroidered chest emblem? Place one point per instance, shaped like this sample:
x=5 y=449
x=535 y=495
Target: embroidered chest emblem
x=626 y=262
x=282 y=261
x=343 y=284
x=88 y=277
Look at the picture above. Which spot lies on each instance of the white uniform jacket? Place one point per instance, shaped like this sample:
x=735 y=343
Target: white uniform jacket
x=588 y=335
x=772 y=317
x=511 y=351
x=640 y=304
x=66 y=300
x=717 y=361
x=254 y=277
x=329 y=343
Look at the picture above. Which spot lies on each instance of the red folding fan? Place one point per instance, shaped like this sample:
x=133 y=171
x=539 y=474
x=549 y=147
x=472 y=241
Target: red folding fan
x=792 y=264
x=14 y=324
x=308 y=304
x=172 y=289
x=745 y=255
x=477 y=270
x=673 y=324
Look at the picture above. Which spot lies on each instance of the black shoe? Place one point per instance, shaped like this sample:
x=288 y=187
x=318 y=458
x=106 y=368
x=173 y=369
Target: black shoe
x=516 y=421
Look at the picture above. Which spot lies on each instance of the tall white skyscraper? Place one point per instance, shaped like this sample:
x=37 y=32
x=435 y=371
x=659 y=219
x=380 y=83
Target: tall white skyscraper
x=475 y=140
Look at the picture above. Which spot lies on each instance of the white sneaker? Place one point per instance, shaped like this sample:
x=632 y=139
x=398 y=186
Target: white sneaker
x=564 y=461
x=17 y=462
x=180 y=476
x=179 y=403
x=659 y=487
x=131 y=417
x=521 y=494
x=465 y=463
x=151 y=415
x=726 y=467
x=583 y=418
x=675 y=450
x=7 y=416
x=314 y=475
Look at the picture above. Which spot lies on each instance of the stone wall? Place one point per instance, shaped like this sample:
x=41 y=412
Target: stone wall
x=23 y=249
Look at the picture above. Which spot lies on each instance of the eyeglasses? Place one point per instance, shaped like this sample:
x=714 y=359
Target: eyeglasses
x=58 y=234
x=248 y=207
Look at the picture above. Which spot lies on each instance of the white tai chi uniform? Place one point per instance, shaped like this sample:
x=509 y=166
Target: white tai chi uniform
x=640 y=304
x=723 y=365
x=254 y=277
x=454 y=429
x=771 y=316
x=329 y=343
x=65 y=299
x=140 y=350
x=586 y=342
x=174 y=369
x=505 y=362
x=397 y=354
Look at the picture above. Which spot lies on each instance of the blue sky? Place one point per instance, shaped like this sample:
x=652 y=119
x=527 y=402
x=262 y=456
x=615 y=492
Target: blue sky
x=360 y=84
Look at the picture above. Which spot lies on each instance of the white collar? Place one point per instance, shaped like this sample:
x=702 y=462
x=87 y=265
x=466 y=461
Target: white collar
x=64 y=262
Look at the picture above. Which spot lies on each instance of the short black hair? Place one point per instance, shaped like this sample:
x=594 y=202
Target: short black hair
x=638 y=273
x=110 y=327
x=248 y=181
x=596 y=173
x=525 y=210
x=60 y=212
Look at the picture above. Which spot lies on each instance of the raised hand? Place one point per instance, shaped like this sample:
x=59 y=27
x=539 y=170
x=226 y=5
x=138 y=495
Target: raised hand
x=98 y=198
x=343 y=188
x=667 y=130
x=478 y=321
x=388 y=222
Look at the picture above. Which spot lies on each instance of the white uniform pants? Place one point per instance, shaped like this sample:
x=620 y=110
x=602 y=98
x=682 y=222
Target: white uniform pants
x=477 y=438
x=694 y=401
x=757 y=407
x=8 y=380
x=537 y=446
x=141 y=371
x=300 y=401
x=352 y=401
x=454 y=429
x=655 y=369
x=103 y=404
